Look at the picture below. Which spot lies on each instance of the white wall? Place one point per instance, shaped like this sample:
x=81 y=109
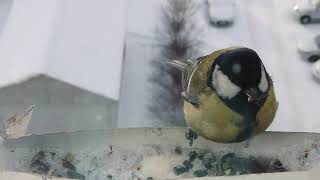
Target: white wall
x=87 y=46
x=24 y=39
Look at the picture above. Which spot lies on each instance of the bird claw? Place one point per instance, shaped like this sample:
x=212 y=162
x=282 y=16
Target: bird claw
x=191 y=136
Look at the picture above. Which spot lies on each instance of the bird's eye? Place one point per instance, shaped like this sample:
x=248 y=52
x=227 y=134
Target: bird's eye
x=236 y=68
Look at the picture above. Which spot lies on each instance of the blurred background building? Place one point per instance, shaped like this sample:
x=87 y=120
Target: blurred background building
x=66 y=58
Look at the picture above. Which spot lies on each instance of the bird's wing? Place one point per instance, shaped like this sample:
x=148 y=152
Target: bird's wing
x=187 y=68
x=190 y=95
x=267 y=113
x=197 y=71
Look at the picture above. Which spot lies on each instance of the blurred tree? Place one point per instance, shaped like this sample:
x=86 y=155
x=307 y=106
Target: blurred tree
x=178 y=38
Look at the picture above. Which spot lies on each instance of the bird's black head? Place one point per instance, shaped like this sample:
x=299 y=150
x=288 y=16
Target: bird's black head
x=239 y=72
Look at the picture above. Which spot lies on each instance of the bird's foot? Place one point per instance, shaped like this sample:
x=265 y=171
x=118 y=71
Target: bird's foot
x=191 y=136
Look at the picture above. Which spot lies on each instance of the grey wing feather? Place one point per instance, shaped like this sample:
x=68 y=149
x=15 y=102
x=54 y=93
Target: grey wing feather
x=186 y=67
x=186 y=75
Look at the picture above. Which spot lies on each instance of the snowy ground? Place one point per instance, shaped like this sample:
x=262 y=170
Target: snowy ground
x=160 y=153
x=268 y=27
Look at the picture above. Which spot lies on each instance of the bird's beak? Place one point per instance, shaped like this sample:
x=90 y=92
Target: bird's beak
x=254 y=95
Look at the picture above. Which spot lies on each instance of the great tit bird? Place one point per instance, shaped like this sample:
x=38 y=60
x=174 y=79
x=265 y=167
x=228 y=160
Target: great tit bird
x=228 y=95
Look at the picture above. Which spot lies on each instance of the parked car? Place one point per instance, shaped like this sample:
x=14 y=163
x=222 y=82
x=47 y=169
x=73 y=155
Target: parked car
x=310 y=51
x=307 y=11
x=316 y=70
x=221 y=13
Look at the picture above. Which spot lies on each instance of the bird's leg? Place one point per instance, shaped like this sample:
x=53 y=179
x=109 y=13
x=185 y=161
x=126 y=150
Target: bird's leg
x=190 y=135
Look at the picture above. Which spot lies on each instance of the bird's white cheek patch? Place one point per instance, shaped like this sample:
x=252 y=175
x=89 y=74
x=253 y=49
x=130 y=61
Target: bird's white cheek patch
x=224 y=87
x=263 y=84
